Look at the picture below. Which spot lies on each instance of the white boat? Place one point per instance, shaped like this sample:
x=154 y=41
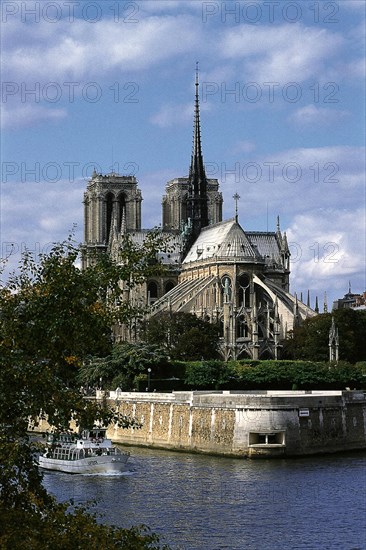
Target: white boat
x=88 y=453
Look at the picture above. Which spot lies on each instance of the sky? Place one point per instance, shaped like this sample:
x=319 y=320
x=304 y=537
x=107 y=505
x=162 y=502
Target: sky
x=110 y=84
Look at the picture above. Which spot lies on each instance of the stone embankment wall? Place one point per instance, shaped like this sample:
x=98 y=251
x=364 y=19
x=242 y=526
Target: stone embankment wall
x=268 y=423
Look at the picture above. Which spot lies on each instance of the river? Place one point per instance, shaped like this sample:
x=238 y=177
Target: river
x=199 y=502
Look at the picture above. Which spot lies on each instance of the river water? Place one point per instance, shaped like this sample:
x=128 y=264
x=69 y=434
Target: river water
x=198 y=502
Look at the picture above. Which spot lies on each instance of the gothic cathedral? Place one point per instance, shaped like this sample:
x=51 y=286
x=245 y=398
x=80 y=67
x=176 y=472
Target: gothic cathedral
x=218 y=271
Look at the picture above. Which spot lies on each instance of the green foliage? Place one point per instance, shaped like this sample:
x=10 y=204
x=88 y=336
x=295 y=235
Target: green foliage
x=53 y=312
x=58 y=529
x=122 y=367
x=310 y=341
x=281 y=375
x=302 y=374
x=361 y=365
x=183 y=335
x=205 y=374
x=52 y=316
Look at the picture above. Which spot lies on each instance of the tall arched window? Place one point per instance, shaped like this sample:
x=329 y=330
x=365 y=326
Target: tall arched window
x=152 y=292
x=109 y=211
x=243 y=290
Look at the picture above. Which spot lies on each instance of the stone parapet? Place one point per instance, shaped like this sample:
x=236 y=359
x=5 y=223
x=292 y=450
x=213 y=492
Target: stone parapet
x=260 y=423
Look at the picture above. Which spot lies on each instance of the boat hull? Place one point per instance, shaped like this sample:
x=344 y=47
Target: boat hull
x=91 y=465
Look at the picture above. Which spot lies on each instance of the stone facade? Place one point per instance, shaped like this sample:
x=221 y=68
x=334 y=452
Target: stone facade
x=252 y=424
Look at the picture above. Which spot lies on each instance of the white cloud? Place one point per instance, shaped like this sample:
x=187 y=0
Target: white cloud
x=28 y=115
x=354 y=69
x=46 y=213
x=79 y=50
x=244 y=146
x=328 y=249
x=296 y=180
x=171 y=115
x=282 y=54
x=357 y=5
x=158 y=6
x=317 y=116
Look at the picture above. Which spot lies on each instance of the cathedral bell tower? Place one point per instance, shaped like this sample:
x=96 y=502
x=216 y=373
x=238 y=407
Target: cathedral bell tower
x=112 y=206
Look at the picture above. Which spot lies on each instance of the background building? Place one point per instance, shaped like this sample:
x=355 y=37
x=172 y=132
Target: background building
x=356 y=301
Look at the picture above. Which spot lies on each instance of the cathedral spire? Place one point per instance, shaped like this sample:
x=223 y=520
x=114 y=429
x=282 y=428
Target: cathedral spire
x=197 y=167
x=197 y=201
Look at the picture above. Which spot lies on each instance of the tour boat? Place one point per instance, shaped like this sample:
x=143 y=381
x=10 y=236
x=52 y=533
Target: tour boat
x=88 y=453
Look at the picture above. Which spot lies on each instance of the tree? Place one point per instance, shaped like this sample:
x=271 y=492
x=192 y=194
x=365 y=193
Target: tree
x=122 y=366
x=206 y=374
x=310 y=340
x=52 y=316
x=183 y=335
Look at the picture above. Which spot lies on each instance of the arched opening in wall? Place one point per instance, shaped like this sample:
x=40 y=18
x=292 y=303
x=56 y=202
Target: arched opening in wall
x=169 y=286
x=260 y=330
x=109 y=212
x=152 y=292
x=243 y=290
x=241 y=327
x=207 y=319
x=121 y=209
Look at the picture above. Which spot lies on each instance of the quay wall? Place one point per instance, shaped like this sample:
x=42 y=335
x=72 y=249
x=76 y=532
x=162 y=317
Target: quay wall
x=243 y=424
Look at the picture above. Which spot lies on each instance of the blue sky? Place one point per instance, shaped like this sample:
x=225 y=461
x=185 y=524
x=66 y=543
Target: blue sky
x=111 y=83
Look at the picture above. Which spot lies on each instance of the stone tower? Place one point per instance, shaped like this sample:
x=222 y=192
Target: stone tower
x=112 y=204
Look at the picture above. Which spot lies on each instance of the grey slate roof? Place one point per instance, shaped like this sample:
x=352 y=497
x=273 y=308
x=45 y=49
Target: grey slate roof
x=266 y=244
x=223 y=240
x=174 y=244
